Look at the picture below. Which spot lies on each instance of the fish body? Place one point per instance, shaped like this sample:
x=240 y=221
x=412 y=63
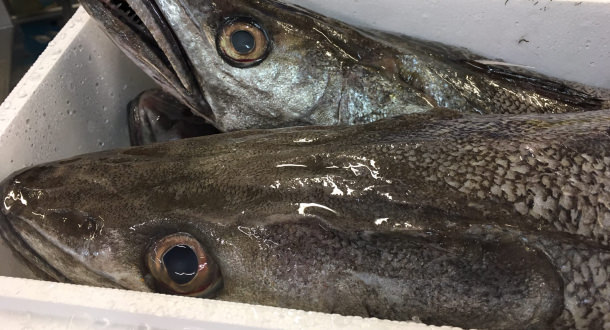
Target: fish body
x=474 y=221
x=306 y=69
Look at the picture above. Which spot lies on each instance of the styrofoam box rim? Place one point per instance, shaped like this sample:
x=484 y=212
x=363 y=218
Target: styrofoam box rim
x=60 y=304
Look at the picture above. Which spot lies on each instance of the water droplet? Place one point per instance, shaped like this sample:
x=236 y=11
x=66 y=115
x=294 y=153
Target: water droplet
x=56 y=51
x=90 y=126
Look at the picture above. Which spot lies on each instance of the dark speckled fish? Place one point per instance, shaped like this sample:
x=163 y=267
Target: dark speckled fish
x=263 y=64
x=497 y=221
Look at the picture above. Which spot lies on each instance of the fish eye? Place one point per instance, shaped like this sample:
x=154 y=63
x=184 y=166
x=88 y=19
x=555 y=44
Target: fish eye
x=242 y=42
x=180 y=265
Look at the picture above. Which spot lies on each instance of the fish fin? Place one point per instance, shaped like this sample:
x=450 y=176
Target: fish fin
x=567 y=92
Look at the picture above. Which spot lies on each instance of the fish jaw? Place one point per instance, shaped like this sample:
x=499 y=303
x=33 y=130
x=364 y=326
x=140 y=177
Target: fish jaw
x=19 y=246
x=77 y=252
x=141 y=32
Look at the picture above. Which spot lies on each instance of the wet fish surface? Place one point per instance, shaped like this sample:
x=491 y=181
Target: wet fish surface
x=264 y=64
x=156 y=116
x=497 y=221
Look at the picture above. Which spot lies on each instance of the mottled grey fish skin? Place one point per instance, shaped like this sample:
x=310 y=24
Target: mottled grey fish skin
x=323 y=72
x=474 y=221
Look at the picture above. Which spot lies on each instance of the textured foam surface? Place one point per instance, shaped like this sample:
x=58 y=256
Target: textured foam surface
x=45 y=305
x=73 y=100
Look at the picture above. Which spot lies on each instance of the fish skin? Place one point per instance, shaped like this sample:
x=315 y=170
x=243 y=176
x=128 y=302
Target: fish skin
x=321 y=71
x=156 y=116
x=497 y=221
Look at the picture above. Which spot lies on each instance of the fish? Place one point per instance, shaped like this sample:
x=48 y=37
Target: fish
x=498 y=221
x=157 y=116
x=244 y=64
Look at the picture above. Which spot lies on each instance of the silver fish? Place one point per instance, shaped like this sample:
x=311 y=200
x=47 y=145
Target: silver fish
x=493 y=221
x=263 y=64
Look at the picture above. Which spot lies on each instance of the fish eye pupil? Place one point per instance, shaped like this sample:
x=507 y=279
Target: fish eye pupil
x=243 y=41
x=181 y=263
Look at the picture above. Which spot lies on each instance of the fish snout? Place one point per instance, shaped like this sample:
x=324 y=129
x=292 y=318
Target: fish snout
x=45 y=219
x=19 y=237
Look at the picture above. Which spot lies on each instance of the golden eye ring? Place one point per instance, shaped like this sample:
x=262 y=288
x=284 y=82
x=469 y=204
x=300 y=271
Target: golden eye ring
x=180 y=265
x=242 y=42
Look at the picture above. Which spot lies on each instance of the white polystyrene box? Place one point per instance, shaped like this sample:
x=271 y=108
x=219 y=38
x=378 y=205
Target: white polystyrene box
x=73 y=101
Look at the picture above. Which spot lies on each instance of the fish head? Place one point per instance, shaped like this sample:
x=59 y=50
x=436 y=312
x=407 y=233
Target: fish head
x=264 y=64
x=260 y=64
x=281 y=218
x=286 y=70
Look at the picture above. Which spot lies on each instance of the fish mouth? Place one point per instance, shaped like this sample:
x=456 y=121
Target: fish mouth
x=123 y=11
x=142 y=32
x=20 y=247
x=27 y=254
x=22 y=236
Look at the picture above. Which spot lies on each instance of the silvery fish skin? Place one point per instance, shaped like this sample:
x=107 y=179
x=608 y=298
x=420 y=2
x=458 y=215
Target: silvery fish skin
x=316 y=70
x=475 y=221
